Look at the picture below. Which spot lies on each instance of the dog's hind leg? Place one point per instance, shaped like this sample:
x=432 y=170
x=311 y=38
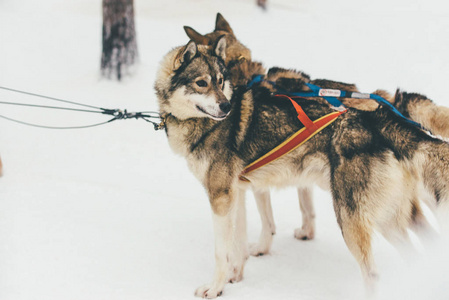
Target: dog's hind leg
x=394 y=222
x=307 y=230
x=357 y=235
x=419 y=224
x=268 y=227
x=400 y=239
x=349 y=200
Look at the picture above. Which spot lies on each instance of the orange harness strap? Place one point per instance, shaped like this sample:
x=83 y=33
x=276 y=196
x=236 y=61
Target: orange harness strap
x=297 y=139
x=303 y=118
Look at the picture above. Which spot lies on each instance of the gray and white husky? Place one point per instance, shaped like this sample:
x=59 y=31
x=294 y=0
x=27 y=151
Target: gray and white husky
x=373 y=162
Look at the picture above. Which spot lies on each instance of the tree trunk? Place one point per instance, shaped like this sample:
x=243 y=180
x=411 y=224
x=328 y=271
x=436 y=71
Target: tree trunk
x=119 y=38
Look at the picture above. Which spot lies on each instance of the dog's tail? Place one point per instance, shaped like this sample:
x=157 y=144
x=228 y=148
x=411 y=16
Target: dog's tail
x=424 y=111
x=427 y=156
x=434 y=170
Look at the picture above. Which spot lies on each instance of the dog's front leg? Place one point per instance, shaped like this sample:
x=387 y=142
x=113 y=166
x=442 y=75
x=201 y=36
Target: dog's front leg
x=223 y=241
x=239 y=251
x=307 y=231
x=263 y=202
x=230 y=242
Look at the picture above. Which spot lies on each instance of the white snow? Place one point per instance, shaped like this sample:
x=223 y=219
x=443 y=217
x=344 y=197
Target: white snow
x=110 y=213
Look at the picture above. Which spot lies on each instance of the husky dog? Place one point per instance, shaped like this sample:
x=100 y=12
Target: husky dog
x=242 y=69
x=371 y=161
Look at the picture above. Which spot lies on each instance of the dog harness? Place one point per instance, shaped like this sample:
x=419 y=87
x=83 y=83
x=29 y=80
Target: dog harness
x=330 y=95
x=297 y=139
x=311 y=127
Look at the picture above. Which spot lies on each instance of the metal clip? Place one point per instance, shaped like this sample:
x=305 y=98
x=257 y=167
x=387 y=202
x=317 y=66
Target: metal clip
x=160 y=126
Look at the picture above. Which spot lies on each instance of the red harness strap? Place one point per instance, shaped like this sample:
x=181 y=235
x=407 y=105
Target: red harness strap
x=297 y=139
x=303 y=118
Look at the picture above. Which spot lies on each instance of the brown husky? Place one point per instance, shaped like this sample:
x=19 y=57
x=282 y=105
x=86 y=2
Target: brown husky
x=373 y=162
x=242 y=69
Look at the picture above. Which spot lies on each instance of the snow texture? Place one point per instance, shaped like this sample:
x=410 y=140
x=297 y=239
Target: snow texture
x=110 y=213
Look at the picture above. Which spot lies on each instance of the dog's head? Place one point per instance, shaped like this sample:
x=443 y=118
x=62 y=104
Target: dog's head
x=235 y=51
x=192 y=82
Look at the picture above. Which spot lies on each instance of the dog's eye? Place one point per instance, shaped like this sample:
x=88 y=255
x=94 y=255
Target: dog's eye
x=201 y=83
x=220 y=81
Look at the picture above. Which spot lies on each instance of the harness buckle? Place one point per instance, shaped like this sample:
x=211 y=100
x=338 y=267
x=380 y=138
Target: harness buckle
x=340 y=108
x=161 y=125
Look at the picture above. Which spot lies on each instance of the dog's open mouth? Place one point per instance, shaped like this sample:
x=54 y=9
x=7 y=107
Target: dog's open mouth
x=212 y=116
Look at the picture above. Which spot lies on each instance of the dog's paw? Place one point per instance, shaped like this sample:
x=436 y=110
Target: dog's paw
x=207 y=292
x=236 y=274
x=259 y=249
x=304 y=234
x=236 y=278
x=273 y=229
x=371 y=284
x=237 y=265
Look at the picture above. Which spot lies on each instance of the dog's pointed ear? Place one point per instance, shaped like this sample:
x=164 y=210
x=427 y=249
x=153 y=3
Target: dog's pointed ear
x=220 y=47
x=398 y=98
x=195 y=36
x=222 y=25
x=185 y=55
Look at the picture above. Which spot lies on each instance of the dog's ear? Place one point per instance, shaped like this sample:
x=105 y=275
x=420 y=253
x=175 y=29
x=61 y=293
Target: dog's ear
x=195 y=36
x=222 y=25
x=185 y=55
x=220 y=47
x=399 y=101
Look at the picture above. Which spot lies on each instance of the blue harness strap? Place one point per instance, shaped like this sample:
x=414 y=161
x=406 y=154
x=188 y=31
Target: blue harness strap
x=382 y=101
x=256 y=79
x=331 y=95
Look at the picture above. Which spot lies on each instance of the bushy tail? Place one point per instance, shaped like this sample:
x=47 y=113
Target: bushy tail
x=428 y=156
x=435 y=171
x=424 y=111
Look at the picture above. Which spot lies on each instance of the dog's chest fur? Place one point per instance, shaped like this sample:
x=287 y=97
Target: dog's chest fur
x=182 y=136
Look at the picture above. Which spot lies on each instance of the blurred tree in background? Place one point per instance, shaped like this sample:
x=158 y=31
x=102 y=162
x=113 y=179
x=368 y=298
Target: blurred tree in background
x=119 y=38
x=262 y=3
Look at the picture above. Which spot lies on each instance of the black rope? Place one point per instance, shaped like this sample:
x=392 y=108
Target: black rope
x=116 y=113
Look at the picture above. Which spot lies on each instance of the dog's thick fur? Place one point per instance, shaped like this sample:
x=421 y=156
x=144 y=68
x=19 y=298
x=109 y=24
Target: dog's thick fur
x=242 y=69
x=371 y=161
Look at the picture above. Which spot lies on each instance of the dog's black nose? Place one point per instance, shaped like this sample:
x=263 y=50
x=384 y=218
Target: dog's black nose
x=225 y=107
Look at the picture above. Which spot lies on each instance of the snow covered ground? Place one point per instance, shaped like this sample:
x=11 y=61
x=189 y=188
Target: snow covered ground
x=110 y=213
